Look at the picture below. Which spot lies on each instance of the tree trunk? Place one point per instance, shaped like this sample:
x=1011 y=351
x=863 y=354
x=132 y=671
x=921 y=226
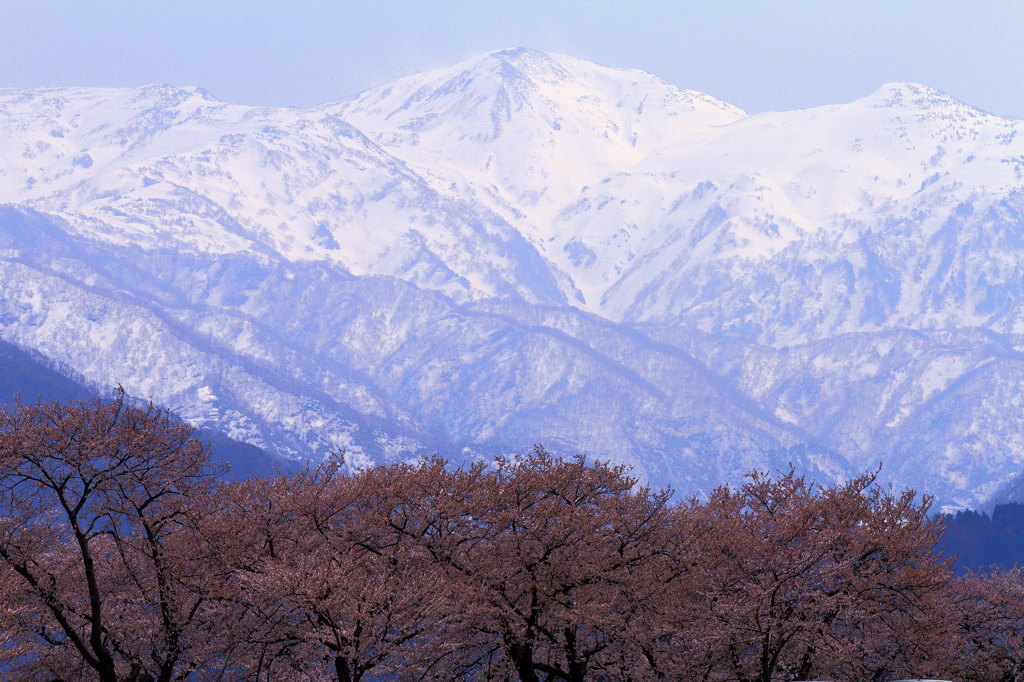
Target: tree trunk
x=577 y=668
x=522 y=658
x=806 y=664
x=343 y=670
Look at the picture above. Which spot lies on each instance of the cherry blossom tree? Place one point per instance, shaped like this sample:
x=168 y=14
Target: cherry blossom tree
x=91 y=495
x=541 y=553
x=794 y=580
x=986 y=642
x=122 y=557
x=335 y=587
x=892 y=600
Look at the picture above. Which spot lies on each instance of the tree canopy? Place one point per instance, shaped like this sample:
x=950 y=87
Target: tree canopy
x=124 y=557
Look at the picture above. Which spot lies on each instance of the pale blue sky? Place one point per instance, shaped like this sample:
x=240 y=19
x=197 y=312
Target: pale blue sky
x=779 y=54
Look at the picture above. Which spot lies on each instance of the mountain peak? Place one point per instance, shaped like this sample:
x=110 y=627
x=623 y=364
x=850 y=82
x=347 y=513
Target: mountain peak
x=534 y=65
x=907 y=95
x=523 y=56
x=533 y=126
x=176 y=93
x=487 y=91
x=515 y=53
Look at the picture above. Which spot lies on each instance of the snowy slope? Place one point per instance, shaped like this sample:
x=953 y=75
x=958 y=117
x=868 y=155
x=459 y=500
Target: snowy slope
x=529 y=247
x=300 y=360
x=896 y=210
x=835 y=219
x=523 y=130
x=163 y=166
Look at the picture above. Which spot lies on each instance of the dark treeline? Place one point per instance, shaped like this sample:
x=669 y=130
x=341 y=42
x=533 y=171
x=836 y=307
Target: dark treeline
x=979 y=540
x=123 y=556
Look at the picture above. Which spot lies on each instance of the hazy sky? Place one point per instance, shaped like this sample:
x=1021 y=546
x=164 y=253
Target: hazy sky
x=775 y=54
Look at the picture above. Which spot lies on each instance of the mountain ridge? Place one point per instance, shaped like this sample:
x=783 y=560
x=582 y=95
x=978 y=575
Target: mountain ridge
x=530 y=247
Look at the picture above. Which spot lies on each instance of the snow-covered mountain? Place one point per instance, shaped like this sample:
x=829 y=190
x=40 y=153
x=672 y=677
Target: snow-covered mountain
x=524 y=132
x=169 y=167
x=530 y=247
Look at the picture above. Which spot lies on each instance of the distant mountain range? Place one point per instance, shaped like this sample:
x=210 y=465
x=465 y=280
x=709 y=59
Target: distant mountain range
x=530 y=247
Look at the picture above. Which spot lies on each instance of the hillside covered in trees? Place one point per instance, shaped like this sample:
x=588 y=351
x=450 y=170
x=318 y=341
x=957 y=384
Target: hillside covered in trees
x=123 y=556
x=980 y=540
